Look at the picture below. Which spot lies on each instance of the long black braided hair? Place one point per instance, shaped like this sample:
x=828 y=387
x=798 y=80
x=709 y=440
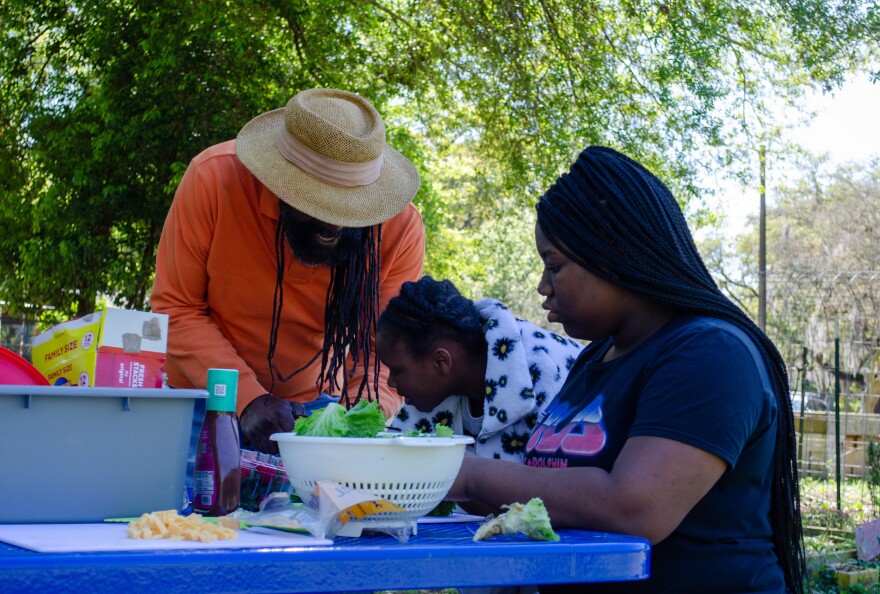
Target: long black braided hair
x=429 y=310
x=351 y=310
x=616 y=219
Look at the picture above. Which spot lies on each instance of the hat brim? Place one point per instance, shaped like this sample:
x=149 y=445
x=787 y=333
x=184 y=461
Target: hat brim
x=357 y=206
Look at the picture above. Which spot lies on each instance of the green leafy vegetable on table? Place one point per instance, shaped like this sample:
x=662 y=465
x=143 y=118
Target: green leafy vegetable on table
x=530 y=519
x=443 y=509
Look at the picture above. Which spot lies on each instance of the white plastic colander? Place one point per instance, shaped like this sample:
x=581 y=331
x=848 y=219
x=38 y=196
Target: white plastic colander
x=415 y=473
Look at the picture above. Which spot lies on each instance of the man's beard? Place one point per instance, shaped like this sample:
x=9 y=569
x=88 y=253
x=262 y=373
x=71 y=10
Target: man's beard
x=306 y=247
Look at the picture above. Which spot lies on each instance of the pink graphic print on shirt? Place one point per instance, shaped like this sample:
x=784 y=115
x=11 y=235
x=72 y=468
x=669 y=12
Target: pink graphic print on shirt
x=584 y=435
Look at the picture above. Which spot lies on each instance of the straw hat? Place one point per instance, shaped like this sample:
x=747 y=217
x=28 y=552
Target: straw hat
x=325 y=155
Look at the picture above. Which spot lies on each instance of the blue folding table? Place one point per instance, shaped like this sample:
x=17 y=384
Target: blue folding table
x=439 y=556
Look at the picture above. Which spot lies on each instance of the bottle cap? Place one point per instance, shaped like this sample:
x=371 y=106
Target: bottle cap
x=222 y=389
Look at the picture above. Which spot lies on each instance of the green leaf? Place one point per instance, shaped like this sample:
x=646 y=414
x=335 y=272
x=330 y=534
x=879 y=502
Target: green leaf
x=325 y=422
x=364 y=419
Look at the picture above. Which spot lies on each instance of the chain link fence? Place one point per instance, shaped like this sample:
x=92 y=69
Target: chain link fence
x=16 y=334
x=827 y=327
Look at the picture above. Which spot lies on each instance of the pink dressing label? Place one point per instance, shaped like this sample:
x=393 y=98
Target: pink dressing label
x=204 y=482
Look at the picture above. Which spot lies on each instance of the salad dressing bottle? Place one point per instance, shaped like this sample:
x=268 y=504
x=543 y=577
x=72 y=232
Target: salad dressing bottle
x=217 y=472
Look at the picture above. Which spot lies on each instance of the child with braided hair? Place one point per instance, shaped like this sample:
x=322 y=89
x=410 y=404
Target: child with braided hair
x=472 y=366
x=675 y=422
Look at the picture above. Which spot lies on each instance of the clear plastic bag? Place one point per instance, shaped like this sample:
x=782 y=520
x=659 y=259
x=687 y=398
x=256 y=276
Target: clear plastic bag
x=328 y=511
x=275 y=511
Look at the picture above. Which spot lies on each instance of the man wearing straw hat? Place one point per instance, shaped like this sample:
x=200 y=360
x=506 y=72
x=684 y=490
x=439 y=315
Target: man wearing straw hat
x=279 y=251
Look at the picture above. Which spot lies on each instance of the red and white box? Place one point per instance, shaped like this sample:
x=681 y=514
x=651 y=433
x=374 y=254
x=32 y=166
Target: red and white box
x=119 y=348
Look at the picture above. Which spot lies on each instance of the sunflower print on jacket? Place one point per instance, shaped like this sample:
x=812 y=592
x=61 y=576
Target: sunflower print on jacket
x=525 y=368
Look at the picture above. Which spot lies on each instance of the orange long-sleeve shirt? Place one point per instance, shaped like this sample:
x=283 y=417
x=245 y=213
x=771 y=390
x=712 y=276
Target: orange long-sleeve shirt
x=215 y=278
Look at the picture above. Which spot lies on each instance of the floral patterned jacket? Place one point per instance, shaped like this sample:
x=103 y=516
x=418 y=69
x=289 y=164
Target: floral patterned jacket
x=526 y=366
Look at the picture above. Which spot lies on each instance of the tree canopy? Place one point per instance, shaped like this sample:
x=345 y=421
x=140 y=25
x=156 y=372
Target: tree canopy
x=104 y=104
x=823 y=269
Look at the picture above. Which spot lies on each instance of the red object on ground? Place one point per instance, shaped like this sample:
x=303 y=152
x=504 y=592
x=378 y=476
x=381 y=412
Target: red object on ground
x=15 y=370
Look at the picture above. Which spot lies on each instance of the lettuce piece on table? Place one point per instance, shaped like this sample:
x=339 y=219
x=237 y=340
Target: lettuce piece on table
x=443 y=509
x=530 y=519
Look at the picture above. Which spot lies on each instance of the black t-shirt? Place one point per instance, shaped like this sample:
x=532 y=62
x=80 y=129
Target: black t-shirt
x=699 y=381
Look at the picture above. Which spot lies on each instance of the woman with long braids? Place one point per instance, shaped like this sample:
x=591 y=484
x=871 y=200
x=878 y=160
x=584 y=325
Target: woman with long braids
x=675 y=422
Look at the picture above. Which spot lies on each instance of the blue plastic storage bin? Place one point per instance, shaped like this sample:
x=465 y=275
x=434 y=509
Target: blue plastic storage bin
x=75 y=454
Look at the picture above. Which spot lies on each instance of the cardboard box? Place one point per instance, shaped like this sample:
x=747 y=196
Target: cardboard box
x=115 y=348
x=88 y=454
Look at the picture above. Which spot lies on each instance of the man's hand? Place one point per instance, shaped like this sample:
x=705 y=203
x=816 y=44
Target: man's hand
x=266 y=415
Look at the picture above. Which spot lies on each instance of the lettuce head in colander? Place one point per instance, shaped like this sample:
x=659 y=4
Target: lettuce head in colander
x=364 y=419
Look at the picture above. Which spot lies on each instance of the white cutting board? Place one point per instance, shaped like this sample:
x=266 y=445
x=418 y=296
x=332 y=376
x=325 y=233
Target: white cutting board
x=454 y=518
x=77 y=538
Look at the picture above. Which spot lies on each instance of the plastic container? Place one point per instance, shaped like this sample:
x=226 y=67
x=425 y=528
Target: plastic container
x=15 y=370
x=261 y=475
x=70 y=455
x=413 y=472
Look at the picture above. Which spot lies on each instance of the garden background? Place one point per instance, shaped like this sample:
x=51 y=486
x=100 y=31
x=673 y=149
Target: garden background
x=103 y=104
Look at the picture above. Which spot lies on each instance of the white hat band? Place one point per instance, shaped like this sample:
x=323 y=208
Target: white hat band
x=331 y=171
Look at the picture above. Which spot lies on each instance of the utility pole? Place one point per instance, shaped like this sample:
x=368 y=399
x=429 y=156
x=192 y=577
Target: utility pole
x=762 y=244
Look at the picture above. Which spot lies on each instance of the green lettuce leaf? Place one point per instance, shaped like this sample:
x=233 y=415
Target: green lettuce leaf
x=364 y=419
x=530 y=519
x=443 y=431
x=439 y=431
x=325 y=422
x=443 y=509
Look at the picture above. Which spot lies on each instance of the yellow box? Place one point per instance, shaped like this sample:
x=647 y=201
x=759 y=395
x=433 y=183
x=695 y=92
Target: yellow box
x=848 y=576
x=111 y=348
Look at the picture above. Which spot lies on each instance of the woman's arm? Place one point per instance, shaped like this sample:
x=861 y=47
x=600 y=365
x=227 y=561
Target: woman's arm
x=655 y=482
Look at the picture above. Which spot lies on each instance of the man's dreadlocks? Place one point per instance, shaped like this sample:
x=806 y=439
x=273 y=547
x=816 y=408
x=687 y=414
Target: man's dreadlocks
x=350 y=314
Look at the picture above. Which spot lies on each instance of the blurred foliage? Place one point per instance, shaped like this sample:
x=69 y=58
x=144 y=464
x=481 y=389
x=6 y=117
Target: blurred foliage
x=104 y=104
x=823 y=273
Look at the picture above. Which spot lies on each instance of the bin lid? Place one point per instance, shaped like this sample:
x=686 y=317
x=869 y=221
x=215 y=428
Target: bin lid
x=15 y=370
